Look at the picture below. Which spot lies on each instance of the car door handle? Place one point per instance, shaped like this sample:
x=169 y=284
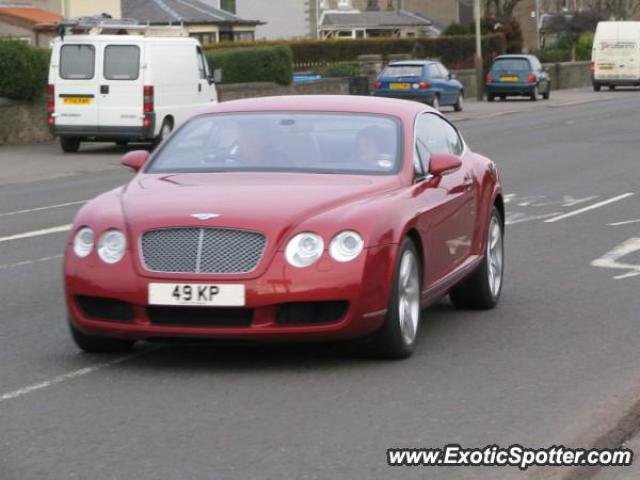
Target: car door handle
x=104 y=89
x=199 y=88
x=468 y=184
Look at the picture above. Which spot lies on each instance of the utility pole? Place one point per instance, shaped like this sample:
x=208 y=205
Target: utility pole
x=478 y=58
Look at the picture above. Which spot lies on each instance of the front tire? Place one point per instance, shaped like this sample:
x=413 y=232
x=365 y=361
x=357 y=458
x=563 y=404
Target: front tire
x=459 y=105
x=612 y=87
x=596 y=87
x=490 y=97
x=397 y=337
x=481 y=291
x=91 y=344
x=70 y=144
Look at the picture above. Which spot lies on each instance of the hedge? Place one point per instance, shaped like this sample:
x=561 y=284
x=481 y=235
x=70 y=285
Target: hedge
x=256 y=64
x=23 y=70
x=454 y=51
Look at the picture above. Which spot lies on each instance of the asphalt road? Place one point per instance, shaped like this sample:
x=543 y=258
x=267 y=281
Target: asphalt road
x=556 y=363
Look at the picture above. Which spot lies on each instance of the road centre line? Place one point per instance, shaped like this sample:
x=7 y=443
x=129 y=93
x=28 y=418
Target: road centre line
x=589 y=207
x=30 y=262
x=628 y=222
x=37 y=233
x=67 y=376
x=38 y=209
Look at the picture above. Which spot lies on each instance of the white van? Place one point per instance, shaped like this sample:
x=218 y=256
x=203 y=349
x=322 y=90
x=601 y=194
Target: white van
x=616 y=55
x=124 y=82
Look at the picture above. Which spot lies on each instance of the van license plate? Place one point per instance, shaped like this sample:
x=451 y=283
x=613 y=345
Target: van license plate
x=203 y=294
x=76 y=100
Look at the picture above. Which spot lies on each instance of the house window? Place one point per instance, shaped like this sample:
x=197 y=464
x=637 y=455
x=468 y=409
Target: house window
x=344 y=3
x=243 y=36
x=206 y=38
x=228 y=5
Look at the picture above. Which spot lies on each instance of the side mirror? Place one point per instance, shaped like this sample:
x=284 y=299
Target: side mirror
x=452 y=76
x=443 y=164
x=135 y=160
x=216 y=76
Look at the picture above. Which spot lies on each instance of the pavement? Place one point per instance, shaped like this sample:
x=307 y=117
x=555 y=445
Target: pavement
x=556 y=363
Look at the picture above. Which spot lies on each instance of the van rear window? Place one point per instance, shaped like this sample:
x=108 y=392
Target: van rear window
x=77 y=62
x=121 y=62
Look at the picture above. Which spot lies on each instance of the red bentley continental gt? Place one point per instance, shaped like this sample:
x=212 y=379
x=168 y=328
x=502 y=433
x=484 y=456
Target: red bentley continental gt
x=291 y=218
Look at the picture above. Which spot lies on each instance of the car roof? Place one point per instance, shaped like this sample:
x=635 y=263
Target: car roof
x=404 y=109
x=414 y=62
x=520 y=55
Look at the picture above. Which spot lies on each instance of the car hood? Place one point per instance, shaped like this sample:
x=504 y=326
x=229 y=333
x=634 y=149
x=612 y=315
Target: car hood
x=271 y=203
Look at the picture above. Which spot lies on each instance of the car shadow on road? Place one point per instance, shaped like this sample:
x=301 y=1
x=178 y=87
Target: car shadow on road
x=111 y=148
x=243 y=356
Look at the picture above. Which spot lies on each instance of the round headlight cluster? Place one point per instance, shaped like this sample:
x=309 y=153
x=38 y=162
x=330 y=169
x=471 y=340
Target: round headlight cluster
x=83 y=242
x=346 y=246
x=306 y=248
x=111 y=246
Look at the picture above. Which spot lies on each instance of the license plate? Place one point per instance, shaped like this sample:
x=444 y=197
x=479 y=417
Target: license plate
x=508 y=78
x=76 y=100
x=605 y=67
x=203 y=294
x=399 y=86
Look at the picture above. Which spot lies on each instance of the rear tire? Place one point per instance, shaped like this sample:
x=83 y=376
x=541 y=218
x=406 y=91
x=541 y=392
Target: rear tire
x=397 y=337
x=122 y=143
x=481 y=291
x=547 y=94
x=490 y=97
x=534 y=94
x=459 y=105
x=435 y=103
x=91 y=344
x=612 y=87
x=165 y=131
x=69 y=144
x=596 y=87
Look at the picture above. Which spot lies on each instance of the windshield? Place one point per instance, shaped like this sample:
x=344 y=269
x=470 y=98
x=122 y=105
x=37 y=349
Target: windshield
x=511 y=65
x=283 y=142
x=402 y=71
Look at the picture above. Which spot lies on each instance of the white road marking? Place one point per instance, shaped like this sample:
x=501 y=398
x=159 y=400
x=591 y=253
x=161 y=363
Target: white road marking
x=66 y=376
x=628 y=222
x=519 y=217
x=611 y=259
x=37 y=233
x=29 y=262
x=38 y=209
x=588 y=207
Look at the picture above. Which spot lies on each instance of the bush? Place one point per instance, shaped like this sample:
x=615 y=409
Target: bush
x=584 y=46
x=256 y=64
x=454 y=51
x=23 y=70
x=554 y=55
x=457 y=29
x=347 y=69
x=509 y=27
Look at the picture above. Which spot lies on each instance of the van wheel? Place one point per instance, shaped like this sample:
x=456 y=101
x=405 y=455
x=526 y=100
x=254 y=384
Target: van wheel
x=122 y=143
x=70 y=144
x=612 y=87
x=596 y=87
x=459 y=105
x=165 y=131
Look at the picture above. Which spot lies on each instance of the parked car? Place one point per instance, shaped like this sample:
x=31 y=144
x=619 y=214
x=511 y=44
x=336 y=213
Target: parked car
x=121 y=87
x=616 y=55
x=517 y=76
x=289 y=218
x=425 y=81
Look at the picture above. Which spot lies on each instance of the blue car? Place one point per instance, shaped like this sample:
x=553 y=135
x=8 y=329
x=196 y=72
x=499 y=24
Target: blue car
x=426 y=81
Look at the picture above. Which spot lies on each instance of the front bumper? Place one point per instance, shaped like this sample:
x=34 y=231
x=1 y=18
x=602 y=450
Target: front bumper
x=501 y=88
x=359 y=291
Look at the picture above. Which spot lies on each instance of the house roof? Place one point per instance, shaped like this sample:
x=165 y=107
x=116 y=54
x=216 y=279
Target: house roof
x=31 y=15
x=179 y=11
x=373 y=19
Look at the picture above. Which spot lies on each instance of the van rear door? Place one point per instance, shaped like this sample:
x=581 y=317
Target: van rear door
x=76 y=85
x=121 y=87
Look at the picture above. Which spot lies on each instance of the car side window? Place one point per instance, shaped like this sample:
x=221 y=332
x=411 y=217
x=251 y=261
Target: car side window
x=436 y=135
x=434 y=71
x=202 y=64
x=443 y=71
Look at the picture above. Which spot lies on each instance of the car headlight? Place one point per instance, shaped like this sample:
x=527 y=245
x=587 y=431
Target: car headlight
x=304 y=249
x=111 y=246
x=83 y=242
x=346 y=246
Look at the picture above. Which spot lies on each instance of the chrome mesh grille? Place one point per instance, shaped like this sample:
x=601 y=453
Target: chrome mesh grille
x=202 y=250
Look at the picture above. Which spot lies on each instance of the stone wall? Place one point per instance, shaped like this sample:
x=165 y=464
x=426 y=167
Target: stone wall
x=328 y=86
x=23 y=122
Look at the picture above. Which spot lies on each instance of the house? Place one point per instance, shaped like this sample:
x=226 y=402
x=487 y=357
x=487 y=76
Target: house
x=78 y=8
x=201 y=20
x=338 y=24
x=283 y=19
x=35 y=26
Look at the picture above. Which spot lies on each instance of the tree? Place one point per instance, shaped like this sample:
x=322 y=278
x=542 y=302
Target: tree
x=500 y=8
x=571 y=26
x=615 y=9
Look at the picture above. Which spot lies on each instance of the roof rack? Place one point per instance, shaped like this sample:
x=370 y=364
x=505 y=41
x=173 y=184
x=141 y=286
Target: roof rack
x=106 y=25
